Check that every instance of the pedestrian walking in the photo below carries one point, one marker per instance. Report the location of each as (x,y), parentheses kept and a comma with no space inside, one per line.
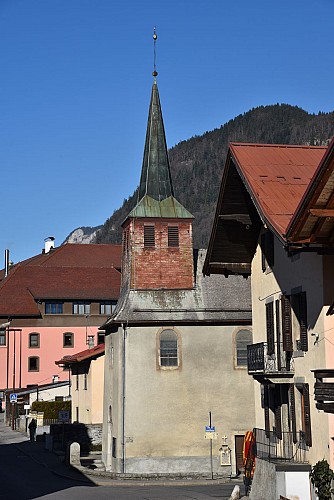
(32,429)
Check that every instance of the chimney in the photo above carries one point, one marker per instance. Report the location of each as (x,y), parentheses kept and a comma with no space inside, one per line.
(6,262)
(49,244)
(90,341)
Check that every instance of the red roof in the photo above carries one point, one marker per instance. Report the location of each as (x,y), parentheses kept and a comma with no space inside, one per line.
(72,271)
(313,220)
(82,356)
(277,177)
(75,254)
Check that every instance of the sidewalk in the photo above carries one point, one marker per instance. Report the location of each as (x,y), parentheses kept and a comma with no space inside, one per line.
(37,452)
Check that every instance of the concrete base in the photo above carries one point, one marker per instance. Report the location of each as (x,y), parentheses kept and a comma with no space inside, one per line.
(171,466)
(272,480)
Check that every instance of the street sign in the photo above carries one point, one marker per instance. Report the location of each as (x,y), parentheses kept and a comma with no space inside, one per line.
(209,428)
(211,435)
(63,416)
(13,397)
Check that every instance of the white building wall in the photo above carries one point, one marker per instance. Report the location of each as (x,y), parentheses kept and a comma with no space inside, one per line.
(287,274)
(167,409)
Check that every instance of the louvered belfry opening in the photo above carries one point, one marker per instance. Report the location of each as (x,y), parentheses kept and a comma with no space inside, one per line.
(149,236)
(173,236)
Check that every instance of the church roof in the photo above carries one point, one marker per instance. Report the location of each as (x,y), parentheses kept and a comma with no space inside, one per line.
(156,195)
(213,300)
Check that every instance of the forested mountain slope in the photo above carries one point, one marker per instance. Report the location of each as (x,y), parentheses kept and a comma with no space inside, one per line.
(197,164)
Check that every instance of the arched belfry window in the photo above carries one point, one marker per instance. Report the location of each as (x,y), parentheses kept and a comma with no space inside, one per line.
(242,340)
(168,348)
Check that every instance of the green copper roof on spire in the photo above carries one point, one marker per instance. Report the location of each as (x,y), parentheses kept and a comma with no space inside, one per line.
(156,195)
(155,179)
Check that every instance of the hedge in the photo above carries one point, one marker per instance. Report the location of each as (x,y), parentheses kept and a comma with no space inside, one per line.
(51,409)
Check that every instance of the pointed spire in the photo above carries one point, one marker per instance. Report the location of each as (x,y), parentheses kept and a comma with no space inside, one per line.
(156,180)
(156,194)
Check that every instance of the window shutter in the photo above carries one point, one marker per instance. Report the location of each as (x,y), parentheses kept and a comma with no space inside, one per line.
(307,415)
(173,236)
(278,419)
(286,324)
(266,410)
(278,334)
(303,321)
(149,236)
(293,413)
(270,328)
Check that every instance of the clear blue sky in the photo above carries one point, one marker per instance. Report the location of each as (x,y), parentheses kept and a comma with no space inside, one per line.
(75,82)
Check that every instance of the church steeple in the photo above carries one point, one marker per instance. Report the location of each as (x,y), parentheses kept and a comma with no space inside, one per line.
(156,194)
(157,234)
(156,180)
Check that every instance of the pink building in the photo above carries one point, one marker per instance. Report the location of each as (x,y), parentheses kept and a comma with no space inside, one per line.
(51,306)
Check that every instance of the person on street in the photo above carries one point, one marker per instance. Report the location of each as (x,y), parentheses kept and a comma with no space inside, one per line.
(32,429)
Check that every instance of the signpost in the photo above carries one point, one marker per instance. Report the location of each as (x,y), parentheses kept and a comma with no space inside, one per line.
(63,416)
(210,433)
(13,397)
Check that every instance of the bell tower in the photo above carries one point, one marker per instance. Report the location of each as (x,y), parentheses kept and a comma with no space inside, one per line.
(157,233)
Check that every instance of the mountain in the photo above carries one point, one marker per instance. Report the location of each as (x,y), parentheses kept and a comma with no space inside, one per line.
(197,163)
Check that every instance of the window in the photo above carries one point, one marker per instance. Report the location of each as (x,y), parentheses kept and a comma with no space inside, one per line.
(34,339)
(108,306)
(100,337)
(270,328)
(85,381)
(149,236)
(68,339)
(76,373)
(267,249)
(53,307)
(305,412)
(81,307)
(299,306)
(33,364)
(294,322)
(243,339)
(2,337)
(168,348)
(126,235)
(113,447)
(173,236)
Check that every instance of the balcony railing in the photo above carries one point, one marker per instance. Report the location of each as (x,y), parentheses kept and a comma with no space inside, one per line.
(270,447)
(259,361)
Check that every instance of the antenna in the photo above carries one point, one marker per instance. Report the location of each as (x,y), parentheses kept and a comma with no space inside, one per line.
(155,37)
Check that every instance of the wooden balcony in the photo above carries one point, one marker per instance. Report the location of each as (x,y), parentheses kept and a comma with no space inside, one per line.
(324,391)
(277,366)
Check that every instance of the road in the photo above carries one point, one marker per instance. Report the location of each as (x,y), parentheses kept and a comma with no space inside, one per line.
(25,475)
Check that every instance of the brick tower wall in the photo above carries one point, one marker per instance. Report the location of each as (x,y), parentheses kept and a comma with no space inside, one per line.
(158,266)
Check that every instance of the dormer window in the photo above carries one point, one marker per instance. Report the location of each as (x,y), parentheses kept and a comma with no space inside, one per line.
(149,236)
(53,307)
(173,236)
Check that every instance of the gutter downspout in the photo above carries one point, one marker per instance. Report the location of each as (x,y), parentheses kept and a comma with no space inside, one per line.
(123,399)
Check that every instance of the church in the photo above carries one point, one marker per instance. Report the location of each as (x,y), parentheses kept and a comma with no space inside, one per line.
(177,396)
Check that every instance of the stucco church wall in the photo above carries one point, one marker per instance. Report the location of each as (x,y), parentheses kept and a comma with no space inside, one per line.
(167,409)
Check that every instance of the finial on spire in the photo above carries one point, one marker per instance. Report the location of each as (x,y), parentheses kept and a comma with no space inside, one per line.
(155,37)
